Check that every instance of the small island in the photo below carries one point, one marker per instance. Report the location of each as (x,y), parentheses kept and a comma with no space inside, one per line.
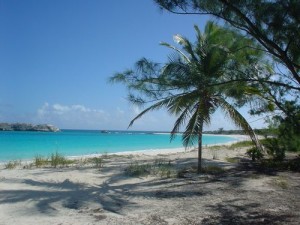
(27,127)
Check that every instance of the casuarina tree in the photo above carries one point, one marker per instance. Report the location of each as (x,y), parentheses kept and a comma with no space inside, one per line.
(197,79)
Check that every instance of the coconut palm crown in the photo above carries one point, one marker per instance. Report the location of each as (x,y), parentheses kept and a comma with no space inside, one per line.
(195,82)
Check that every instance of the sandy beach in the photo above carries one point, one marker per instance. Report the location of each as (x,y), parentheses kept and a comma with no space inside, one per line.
(230,192)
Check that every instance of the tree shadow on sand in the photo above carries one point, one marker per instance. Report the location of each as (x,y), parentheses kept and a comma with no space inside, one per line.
(112,195)
(119,191)
(232,212)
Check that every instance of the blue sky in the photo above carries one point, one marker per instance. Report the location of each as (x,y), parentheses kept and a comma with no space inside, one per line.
(56,57)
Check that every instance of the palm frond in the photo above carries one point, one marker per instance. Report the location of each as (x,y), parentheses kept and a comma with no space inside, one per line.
(239,120)
(157,105)
(165,102)
(182,106)
(193,127)
(186,58)
(186,45)
(180,121)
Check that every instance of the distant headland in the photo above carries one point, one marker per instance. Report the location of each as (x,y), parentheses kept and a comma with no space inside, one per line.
(27,127)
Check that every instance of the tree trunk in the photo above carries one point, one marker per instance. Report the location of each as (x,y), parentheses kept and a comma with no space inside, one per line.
(200,149)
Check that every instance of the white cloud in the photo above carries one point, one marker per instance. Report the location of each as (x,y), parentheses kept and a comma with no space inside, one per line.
(82,117)
(78,116)
(72,116)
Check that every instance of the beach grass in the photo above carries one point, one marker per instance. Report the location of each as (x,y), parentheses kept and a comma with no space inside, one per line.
(216,147)
(281,182)
(211,169)
(58,159)
(136,169)
(40,161)
(232,159)
(97,162)
(12,164)
(161,168)
(215,154)
(241,144)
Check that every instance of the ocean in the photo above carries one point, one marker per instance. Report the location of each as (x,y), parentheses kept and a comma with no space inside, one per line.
(19,145)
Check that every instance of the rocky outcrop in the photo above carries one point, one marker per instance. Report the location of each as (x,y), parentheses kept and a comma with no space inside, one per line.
(27,127)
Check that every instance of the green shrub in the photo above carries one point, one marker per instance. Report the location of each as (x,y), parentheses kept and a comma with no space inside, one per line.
(290,165)
(286,131)
(255,153)
(274,148)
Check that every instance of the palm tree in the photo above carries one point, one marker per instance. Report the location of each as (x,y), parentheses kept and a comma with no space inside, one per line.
(194,83)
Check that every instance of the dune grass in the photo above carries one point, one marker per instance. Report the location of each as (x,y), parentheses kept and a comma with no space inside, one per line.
(97,162)
(232,159)
(164,169)
(12,164)
(40,161)
(59,160)
(55,160)
(281,182)
(241,144)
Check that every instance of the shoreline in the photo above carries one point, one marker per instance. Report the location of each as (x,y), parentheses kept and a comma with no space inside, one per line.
(150,152)
(158,151)
(148,189)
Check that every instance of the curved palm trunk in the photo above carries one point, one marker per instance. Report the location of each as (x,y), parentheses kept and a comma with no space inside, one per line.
(200,147)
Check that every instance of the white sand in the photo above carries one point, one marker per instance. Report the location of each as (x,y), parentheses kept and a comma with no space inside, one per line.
(84,195)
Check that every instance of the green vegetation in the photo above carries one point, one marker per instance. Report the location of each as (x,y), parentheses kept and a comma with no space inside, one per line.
(158,168)
(58,159)
(286,133)
(98,162)
(209,169)
(137,170)
(12,164)
(241,144)
(40,161)
(281,182)
(216,147)
(255,154)
(237,132)
(197,80)
(290,164)
(275,27)
(232,160)
(274,24)
(213,170)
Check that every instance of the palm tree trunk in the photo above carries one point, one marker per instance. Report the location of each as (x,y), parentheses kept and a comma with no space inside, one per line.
(200,148)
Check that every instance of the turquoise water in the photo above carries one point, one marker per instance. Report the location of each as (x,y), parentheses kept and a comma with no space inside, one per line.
(26,145)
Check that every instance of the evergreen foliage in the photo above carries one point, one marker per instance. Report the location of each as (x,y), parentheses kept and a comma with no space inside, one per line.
(198,79)
(275,26)
(286,132)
